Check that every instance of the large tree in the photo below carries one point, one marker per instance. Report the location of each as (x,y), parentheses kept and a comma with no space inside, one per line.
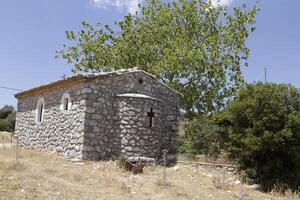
(263,127)
(189,44)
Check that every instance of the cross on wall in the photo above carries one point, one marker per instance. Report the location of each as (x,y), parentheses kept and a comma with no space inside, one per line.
(151,116)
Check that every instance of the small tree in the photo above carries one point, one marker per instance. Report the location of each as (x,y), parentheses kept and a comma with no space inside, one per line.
(7,118)
(4,125)
(6,111)
(201,136)
(263,126)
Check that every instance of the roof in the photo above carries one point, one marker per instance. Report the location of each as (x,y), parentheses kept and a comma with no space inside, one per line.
(83,78)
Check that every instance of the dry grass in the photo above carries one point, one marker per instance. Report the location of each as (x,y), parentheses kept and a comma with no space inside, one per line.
(5,137)
(40,175)
(282,191)
(287,195)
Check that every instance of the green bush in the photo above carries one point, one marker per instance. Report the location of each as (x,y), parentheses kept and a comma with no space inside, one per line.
(200,137)
(4,125)
(7,118)
(263,127)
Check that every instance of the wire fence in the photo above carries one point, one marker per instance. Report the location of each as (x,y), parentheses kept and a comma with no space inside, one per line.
(7,140)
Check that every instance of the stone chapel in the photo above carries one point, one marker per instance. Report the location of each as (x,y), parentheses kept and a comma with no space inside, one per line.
(100,116)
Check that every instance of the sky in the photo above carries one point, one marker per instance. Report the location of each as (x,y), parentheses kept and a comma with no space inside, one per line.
(32,30)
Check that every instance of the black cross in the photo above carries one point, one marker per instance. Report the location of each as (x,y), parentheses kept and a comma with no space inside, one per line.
(151,115)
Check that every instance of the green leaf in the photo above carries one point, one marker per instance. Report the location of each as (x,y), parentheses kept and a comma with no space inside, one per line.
(190,45)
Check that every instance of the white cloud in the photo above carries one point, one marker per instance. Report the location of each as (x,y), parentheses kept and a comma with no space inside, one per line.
(216,3)
(132,5)
(129,5)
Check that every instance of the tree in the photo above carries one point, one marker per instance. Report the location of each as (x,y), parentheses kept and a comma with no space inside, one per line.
(263,126)
(201,136)
(5,111)
(189,44)
(4,125)
(7,118)
(11,121)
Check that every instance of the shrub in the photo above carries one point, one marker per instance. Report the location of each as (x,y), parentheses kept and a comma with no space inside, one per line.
(263,127)
(5,111)
(4,126)
(200,136)
(7,118)
(121,160)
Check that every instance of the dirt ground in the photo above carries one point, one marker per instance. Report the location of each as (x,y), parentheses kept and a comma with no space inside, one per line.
(44,175)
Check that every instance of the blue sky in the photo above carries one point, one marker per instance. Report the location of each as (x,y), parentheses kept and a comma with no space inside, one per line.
(32,30)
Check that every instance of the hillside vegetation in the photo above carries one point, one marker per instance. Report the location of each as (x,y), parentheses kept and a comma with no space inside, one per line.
(259,130)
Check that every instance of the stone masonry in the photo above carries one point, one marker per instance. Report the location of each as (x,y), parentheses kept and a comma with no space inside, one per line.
(100,116)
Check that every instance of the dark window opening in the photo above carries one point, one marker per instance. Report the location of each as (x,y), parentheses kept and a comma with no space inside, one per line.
(151,115)
(141,81)
(66,102)
(40,112)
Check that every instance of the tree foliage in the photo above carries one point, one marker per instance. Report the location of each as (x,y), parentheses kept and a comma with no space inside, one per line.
(7,118)
(263,126)
(201,136)
(189,44)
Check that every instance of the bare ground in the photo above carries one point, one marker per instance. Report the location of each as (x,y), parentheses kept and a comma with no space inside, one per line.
(42,175)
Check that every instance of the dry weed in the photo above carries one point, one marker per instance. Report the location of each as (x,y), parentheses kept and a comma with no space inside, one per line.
(220,182)
(242,195)
(125,187)
(8,185)
(5,137)
(50,171)
(42,176)
(287,194)
(78,178)
(163,183)
(15,166)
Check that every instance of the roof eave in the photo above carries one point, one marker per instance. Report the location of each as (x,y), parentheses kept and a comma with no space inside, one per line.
(46,87)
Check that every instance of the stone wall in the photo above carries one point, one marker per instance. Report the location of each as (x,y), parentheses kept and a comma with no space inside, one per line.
(60,130)
(102,130)
(102,124)
(137,138)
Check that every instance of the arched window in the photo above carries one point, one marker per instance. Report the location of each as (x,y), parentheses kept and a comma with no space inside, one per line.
(66,103)
(40,110)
